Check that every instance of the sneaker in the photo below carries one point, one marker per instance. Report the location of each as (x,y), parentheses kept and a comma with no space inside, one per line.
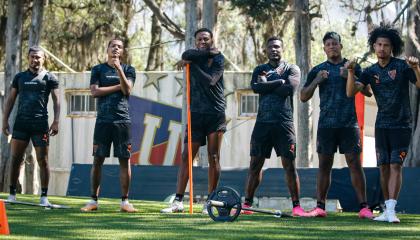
(317,212)
(176,206)
(392,217)
(11,198)
(365,213)
(246,212)
(92,205)
(127,207)
(299,212)
(382,218)
(43,201)
(204,211)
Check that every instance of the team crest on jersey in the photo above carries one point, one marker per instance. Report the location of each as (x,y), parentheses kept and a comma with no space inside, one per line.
(392,74)
(403,154)
(376,77)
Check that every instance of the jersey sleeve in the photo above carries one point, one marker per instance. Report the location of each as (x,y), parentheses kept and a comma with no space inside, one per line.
(364,77)
(311,76)
(94,76)
(130,74)
(52,81)
(408,73)
(15,82)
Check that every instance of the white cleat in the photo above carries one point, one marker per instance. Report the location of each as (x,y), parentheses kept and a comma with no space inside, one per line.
(392,217)
(43,201)
(382,218)
(176,206)
(11,198)
(204,211)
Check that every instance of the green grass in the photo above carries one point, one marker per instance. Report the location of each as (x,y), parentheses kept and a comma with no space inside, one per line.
(27,222)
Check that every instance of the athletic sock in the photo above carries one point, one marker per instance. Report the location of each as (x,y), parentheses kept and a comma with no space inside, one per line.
(179,197)
(296,203)
(44,192)
(320,205)
(363,205)
(249,201)
(390,204)
(12,190)
(94,198)
(124,198)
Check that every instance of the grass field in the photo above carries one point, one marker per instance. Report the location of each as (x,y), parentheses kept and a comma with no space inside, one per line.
(108,223)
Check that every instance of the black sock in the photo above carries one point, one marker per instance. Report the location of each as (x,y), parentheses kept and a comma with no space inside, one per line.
(249,201)
(363,205)
(179,197)
(296,203)
(123,198)
(320,205)
(44,192)
(12,190)
(94,197)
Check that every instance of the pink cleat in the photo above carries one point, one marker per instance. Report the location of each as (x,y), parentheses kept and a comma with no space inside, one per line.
(246,212)
(299,212)
(365,213)
(317,212)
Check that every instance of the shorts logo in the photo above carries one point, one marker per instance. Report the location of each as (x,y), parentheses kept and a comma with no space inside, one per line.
(45,137)
(403,154)
(376,77)
(292,148)
(392,74)
(129,147)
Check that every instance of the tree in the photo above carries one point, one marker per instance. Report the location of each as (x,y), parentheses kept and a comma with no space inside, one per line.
(155,58)
(12,66)
(413,49)
(303,57)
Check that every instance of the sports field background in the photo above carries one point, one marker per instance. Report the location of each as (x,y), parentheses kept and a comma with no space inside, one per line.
(27,222)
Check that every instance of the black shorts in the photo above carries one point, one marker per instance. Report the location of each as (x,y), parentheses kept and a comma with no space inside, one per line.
(281,136)
(115,133)
(203,124)
(391,145)
(36,131)
(346,139)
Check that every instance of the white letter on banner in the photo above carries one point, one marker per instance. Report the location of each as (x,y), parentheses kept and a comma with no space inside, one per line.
(151,124)
(175,129)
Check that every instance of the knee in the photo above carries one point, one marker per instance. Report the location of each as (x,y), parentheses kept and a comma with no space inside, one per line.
(43,163)
(289,167)
(97,162)
(213,158)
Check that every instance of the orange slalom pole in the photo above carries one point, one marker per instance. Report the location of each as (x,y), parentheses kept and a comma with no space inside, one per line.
(360,112)
(190,162)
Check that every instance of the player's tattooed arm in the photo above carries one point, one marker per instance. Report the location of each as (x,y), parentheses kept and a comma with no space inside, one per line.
(125,84)
(103,91)
(215,72)
(413,62)
(291,84)
(307,92)
(55,95)
(352,87)
(8,106)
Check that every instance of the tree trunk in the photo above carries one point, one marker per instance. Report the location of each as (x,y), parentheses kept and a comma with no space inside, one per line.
(12,66)
(303,57)
(412,49)
(155,51)
(210,11)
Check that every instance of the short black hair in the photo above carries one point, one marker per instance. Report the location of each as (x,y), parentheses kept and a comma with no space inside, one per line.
(274,38)
(35,49)
(331,35)
(386,30)
(115,39)
(203,30)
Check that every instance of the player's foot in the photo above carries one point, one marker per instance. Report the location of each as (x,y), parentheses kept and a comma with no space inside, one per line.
(392,217)
(246,212)
(204,211)
(317,212)
(127,207)
(382,218)
(11,198)
(43,201)
(299,212)
(365,213)
(176,206)
(92,205)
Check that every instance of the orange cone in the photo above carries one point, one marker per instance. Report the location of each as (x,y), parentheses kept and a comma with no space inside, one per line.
(4,225)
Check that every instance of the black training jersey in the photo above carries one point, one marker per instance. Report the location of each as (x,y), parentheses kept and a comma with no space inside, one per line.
(33,95)
(112,108)
(276,97)
(207,87)
(390,87)
(336,109)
